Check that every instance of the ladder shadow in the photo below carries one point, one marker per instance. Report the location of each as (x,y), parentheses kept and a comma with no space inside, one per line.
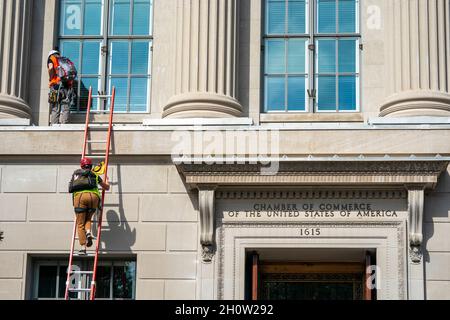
(117,235)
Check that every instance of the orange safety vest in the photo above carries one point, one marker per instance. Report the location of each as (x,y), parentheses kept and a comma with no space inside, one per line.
(55,79)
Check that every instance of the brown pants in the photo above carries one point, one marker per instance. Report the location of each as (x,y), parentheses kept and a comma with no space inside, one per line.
(86,200)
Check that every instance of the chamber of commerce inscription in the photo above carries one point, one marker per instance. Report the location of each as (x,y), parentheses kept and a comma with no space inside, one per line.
(310,210)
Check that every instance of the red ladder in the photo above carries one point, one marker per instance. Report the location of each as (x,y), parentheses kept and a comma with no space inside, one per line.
(89,293)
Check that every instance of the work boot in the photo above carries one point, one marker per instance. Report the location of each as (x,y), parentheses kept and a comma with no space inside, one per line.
(82,251)
(89,239)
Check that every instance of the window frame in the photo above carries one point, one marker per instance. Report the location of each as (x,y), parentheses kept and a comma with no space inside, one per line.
(84,265)
(106,38)
(312,36)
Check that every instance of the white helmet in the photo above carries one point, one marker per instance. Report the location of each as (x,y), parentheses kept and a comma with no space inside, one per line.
(52,52)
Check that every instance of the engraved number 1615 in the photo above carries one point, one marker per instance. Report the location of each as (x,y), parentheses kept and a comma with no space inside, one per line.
(310,231)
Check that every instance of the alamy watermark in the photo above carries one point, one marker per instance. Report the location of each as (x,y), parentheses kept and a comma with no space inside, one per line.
(240,146)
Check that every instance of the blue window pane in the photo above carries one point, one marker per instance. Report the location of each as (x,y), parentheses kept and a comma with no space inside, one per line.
(119,57)
(121,84)
(93,17)
(296,93)
(275,94)
(296,16)
(141,17)
(347,55)
(91,57)
(276,16)
(347,16)
(327,94)
(275,58)
(327,56)
(326,11)
(120,16)
(347,93)
(296,56)
(71,17)
(138,94)
(71,50)
(85,83)
(139,57)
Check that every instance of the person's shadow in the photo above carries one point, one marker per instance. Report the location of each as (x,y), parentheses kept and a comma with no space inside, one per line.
(117,234)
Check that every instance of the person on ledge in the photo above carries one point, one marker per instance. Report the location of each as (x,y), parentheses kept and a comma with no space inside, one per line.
(62,73)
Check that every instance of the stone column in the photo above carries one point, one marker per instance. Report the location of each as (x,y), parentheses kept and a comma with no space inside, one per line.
(15,22)
(418,40)
(206,60)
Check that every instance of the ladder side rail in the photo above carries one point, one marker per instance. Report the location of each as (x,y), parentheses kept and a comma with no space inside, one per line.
(69,267)
(100,217)
(72,245)
(86,129)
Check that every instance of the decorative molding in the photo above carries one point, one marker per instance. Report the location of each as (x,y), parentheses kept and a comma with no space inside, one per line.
(201,105)
(415,209)
(206,208)
(313,194)
(381,173)
(410,104)
(399,225)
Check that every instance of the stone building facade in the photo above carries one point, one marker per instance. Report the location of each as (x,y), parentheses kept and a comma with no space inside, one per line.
(230,152)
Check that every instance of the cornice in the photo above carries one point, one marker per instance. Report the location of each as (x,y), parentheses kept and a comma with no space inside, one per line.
(358,173)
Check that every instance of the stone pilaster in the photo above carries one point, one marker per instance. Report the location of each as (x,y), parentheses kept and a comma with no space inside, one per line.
(206,60)
(418,41)
(15,22)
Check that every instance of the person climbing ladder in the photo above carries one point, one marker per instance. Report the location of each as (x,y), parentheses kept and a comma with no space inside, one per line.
(86,200)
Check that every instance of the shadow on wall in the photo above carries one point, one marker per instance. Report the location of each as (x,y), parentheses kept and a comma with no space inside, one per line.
(37,60)
(117,235)
(244,58)
(436,206)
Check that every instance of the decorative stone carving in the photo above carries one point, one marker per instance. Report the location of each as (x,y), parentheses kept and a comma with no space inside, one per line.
(15,23)
(206,60)
(415,254)
(415,209)
(206,207)
(383,173)
(417,40)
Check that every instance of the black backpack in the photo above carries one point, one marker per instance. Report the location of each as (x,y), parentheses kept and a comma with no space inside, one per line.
(82,180)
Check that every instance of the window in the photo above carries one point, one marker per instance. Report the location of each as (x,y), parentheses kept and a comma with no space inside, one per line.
(116,279)
(110,42)
(311,56)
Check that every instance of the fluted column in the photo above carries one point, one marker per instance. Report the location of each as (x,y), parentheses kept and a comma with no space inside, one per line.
(206,60)
(15,22)
(419,51)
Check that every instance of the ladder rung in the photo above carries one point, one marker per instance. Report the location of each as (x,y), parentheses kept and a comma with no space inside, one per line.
(82,272)
(95,157)
(79,289)
(101,96)
(96,141)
